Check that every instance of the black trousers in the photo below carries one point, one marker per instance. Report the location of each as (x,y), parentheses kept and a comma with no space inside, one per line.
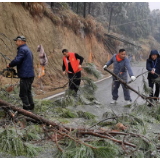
(74,81)
(25,93)
(151,85)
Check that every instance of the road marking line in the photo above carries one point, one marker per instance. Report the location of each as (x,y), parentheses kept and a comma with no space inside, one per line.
(58,94)
(103,79)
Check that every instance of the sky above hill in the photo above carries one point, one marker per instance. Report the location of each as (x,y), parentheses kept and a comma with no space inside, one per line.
(154,5)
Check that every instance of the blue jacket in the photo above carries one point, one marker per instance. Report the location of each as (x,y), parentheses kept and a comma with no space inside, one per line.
(150,65)
(24,62)
(120,68)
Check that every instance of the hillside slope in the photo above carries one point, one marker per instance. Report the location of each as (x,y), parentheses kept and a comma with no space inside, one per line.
(16,20)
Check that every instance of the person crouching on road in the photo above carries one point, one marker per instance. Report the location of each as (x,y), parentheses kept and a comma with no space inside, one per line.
(24,63)
(120,66)
(153,66)
(72,64)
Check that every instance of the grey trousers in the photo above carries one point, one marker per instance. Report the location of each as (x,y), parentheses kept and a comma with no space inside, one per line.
(115,87)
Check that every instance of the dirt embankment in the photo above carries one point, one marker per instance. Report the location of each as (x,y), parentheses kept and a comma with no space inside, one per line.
(16,20)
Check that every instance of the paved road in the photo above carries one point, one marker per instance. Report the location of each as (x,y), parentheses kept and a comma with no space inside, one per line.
(103,95)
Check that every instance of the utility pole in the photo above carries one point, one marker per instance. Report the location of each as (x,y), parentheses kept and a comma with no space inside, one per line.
(77,7)
(72,5)
(110,19)
(84,11)
(90,7)
(52,4)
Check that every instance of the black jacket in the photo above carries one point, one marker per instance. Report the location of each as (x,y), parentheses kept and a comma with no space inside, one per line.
(150,65)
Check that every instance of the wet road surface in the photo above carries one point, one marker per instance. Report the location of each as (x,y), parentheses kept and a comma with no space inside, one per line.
(104,96)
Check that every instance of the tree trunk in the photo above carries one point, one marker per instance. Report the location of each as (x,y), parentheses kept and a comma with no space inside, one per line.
(84,11)
(38,118)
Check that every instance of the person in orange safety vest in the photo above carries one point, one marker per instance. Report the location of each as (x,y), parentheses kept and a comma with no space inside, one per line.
(72,63)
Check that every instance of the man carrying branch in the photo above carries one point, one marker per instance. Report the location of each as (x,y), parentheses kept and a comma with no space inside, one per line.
(120,66)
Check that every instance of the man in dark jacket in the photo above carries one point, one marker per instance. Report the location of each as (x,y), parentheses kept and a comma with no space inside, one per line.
(24,63)
(72,64)
(153,65)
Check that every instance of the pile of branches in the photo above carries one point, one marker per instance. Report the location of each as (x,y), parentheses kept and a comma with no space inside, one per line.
(64,136)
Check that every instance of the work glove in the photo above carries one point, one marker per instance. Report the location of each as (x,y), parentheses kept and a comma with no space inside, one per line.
(105,66)
(133,78)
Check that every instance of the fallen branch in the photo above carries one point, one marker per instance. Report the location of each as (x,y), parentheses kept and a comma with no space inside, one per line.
(124,148)
(64,131)
(102,121)
(113,139)
(57,142)
(26,113)
(137,77)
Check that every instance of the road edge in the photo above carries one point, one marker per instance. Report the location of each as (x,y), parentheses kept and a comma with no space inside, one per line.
(61,93)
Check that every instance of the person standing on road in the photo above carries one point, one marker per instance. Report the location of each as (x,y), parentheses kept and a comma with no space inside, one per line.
(130,58)
(120,66)
(24,63)
(153,66)
(72,64)
(140,57)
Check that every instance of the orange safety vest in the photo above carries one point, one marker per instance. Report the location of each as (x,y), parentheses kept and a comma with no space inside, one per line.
(74,62)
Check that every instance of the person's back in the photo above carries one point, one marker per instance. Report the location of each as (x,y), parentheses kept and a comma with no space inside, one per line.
(25,67)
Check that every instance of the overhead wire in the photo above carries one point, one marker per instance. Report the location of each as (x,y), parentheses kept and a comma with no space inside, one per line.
(131,22)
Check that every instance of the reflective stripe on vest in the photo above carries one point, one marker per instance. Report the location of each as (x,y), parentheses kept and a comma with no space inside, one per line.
(74,63)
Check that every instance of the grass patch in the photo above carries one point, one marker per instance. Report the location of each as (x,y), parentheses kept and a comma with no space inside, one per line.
(85,115)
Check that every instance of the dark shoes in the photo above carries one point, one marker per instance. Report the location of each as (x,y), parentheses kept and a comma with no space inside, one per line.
(32,106)
(28,107)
